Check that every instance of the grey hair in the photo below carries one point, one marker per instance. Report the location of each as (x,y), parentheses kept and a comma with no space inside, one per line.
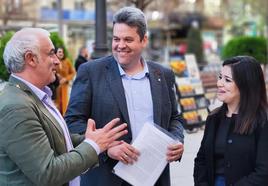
(133,17)
(81,49)
(26,39)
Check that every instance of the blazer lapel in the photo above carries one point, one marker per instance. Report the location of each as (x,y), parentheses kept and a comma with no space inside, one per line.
(117,89)
(156,87)
(50,117)
(19,84)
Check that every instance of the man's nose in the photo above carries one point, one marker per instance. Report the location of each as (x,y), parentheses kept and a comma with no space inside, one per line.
(122,44)
(56,60)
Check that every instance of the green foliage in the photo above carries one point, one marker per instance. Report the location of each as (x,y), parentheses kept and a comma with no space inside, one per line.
(4,75)
(195,44)
(58,42)
(245,45)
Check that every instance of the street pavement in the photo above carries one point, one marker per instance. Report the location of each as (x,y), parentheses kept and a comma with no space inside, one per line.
(182,172)
(2,85)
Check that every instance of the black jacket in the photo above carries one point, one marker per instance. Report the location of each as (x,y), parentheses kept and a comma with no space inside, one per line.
(80,60)
(246,156)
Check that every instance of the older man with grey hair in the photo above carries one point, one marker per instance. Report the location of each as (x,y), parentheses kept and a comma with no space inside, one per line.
(127,86)
(35,145)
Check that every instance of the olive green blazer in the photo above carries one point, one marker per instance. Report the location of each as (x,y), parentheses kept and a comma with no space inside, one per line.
(32,144)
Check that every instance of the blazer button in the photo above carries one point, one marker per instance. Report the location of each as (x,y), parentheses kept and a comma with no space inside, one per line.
(230,141)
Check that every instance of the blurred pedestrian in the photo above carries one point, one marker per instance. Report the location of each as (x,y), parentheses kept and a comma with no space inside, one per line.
(66,73)
(127,86)
(234,148)
(83,57)
(35,145)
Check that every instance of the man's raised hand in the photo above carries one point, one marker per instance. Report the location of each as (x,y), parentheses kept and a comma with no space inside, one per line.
(103,137)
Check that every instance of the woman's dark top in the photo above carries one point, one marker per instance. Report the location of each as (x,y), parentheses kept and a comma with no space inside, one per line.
(220,144)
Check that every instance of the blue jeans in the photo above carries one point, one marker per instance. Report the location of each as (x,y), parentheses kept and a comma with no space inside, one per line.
(219,180)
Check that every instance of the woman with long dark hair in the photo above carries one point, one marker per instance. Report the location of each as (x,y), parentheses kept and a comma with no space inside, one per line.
(234,148)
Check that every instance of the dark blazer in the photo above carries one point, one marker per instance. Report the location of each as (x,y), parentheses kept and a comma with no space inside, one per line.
(98,93)
(246,156)
(32,144)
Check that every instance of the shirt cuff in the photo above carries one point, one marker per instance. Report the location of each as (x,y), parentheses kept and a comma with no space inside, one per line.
(94,145)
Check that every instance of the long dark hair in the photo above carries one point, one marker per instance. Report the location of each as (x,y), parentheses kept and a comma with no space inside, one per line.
(63,49)
(248,76)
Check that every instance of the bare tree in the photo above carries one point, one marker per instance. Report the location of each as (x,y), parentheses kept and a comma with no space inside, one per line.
(260,7)
(16,10)
(141,4)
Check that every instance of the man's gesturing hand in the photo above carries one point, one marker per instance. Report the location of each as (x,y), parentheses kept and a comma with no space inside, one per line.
(103,137)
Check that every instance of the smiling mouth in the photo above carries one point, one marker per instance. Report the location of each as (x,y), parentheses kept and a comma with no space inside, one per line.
(220,93)
(123,54)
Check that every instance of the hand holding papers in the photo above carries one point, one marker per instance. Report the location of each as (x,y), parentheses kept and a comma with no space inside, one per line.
(123,152)
(152,143)
(174,152)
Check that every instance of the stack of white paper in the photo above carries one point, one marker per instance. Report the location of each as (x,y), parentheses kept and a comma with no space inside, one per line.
(152,144)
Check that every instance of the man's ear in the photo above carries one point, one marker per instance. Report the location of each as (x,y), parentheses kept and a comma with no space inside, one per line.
(145,40)
(30,59)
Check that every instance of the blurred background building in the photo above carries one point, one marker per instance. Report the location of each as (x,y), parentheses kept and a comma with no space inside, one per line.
(73,19)
(169,21)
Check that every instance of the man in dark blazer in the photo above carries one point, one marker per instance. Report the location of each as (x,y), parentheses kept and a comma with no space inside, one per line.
(35,145)
(83,57)
(126,86)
